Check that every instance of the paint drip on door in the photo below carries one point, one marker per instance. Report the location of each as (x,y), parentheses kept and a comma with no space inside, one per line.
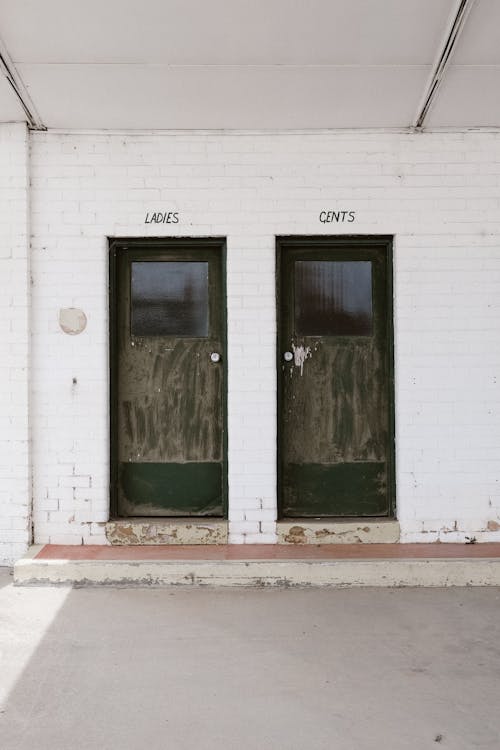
(300,354)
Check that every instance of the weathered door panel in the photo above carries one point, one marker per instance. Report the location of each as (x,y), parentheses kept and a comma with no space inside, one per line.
(336,390)
(169,409)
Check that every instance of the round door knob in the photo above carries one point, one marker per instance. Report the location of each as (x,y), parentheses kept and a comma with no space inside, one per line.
(288,356)
(215,357)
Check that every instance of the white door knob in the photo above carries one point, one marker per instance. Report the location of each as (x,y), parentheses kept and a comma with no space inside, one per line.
(215,357)
(288,356)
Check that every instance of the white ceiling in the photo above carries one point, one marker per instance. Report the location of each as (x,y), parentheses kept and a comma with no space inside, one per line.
(470,92)
(248,63)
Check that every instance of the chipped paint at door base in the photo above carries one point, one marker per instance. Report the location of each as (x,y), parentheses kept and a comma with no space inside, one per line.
(160,531)
(325,531)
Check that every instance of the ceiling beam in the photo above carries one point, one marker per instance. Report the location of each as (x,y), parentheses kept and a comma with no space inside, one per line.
(443,57)
(15,81)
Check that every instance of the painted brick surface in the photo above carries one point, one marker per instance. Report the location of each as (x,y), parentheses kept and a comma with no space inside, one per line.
(15,490)
(439,194)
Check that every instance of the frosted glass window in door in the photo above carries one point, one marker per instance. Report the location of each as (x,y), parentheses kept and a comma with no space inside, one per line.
(169,298)
(333,298)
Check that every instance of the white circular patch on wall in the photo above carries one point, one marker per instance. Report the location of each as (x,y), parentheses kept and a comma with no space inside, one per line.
(72,320)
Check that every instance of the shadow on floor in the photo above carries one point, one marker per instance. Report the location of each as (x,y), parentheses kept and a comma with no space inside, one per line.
(6,574)
(283,669)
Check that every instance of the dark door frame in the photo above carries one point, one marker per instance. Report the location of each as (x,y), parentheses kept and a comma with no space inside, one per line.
(116,244)
(352,242)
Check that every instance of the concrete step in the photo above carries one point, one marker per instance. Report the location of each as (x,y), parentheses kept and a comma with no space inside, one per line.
(262,565)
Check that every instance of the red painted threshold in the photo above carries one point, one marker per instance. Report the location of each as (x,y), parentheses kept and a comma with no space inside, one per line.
(269,552)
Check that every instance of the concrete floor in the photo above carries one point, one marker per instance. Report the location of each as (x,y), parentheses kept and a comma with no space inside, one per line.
(287,669)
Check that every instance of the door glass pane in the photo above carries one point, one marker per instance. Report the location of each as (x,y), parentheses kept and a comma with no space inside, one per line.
(333,298)
(169,298)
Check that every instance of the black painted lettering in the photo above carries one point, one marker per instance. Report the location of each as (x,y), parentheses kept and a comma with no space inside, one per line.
(327,217)
(162,217)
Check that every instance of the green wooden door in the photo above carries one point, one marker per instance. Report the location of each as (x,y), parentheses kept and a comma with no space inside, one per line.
(335,377)
(169,391)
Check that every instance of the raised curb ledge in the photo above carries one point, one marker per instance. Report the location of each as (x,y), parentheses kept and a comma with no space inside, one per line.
(260,573)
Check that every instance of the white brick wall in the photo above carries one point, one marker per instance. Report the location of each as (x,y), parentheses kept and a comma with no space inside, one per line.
(15,481)
(439,194)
